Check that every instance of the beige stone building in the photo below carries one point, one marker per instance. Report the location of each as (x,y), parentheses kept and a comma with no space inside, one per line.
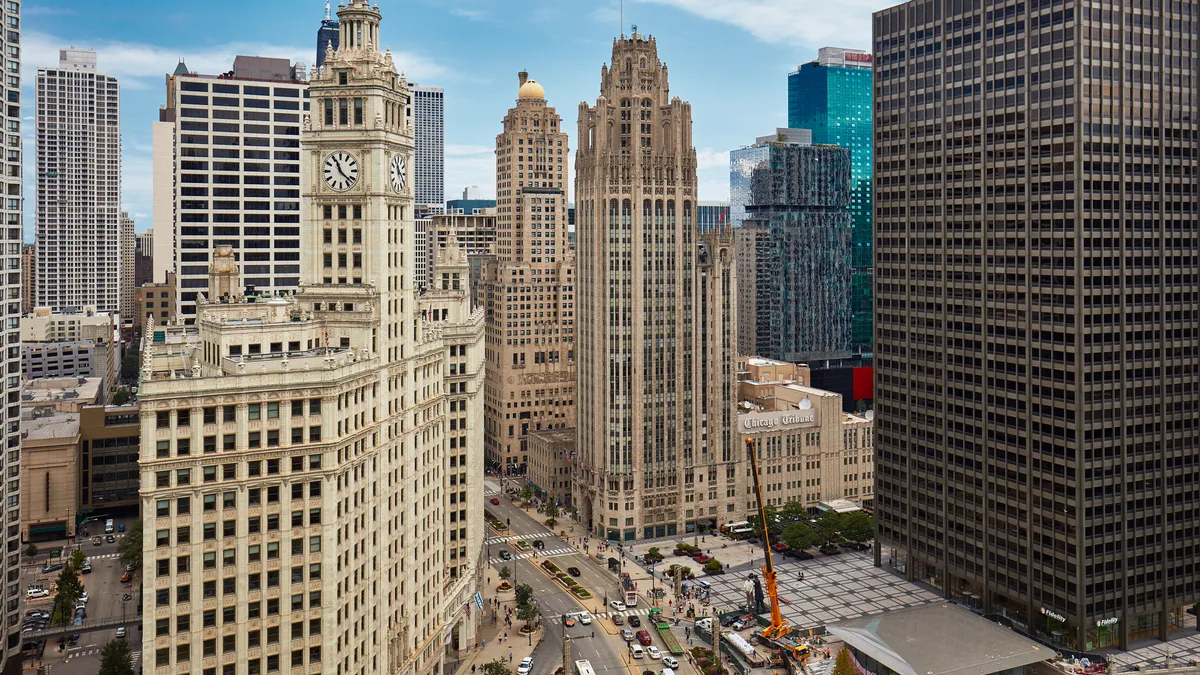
(28,277)
(529,287)
(767,383)
(656,369)
(551,464)
(158,302)
(50,472)
(302,484)
(474,233)
(814,454)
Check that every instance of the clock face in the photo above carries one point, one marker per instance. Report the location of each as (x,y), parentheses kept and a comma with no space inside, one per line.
(399,173)
(341,170)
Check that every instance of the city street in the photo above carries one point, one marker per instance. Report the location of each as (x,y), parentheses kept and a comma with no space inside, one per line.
(105,592)
(606,651)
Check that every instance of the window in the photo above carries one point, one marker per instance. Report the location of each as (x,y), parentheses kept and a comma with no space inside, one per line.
(162,449)
(210,557)
(273,410)
(183,506)
(229,442)
(163,508)
(210,474)
(183,476)
(255,411)
(162,479)
(314,544)
(210,502)
(229,500)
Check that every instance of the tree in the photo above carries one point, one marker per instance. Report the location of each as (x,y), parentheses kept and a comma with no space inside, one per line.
(712,566)
(523,593)
(69,591)
(527,613)
(130,363)
(116,658)
(121,397)
(505,573)
(130,548)
(793,512)
(551,510)
(772,520)
(829,524)
(843,665)
(858,526)
(800,536)
(32,550)
(77,560)
(525,494)
(497,667)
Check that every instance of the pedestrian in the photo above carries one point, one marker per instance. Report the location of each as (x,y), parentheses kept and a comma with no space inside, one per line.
(510,657)
(472,667)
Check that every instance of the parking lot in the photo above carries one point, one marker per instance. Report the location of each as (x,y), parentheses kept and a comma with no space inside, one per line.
(106,598)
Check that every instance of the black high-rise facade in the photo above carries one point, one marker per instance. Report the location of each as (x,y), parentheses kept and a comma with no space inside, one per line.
(1037,324)
(327,35)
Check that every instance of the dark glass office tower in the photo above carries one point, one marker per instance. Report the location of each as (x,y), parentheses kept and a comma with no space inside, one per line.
(1037,325)
(831,96)
(327,34)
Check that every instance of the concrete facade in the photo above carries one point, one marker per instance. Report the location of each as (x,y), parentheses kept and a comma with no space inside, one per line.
(28,277)
(529,285)
(333,405)
(227,171)
(552,464)
(109,445)
(474,234)
(49,493)
(81,256)
(1036,347)
(157,302)
(647,454)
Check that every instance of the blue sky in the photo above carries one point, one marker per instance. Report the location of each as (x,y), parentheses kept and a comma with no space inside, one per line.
(729,58)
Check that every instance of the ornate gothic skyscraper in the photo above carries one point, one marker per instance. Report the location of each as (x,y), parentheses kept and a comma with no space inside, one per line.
(642,438)
(529,284)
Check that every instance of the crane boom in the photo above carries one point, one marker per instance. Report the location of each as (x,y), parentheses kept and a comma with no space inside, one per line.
(778,627)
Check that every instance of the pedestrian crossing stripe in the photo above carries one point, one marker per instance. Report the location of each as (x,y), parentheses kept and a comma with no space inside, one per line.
(638,611)
(552,553)
(103,556)
(511,537)
(134,658)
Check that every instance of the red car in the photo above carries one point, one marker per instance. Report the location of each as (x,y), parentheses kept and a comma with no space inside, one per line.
(643,637)
(495,502)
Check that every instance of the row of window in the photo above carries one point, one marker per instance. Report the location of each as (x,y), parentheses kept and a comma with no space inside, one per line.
(228,413)
(254,440)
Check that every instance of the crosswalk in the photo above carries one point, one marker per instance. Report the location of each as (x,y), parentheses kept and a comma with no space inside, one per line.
(638,611)
(511,537)
(551,553)
(134,659)
(103,556)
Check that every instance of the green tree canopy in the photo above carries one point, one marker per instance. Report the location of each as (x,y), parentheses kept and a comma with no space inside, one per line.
(69,591)
(497,667)
(523,593)
(800,536)
(551,509)
(505,573)
(527,613)
(130,547)
(772,519)
(713,565)
(77,560)
(525,494)
(858,526)
(829,523)
(116,658)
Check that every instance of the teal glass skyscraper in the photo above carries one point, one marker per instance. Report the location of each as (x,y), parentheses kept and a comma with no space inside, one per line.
(831,96)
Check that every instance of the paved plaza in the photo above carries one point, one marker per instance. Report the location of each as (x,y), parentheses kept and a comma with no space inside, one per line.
(835,589)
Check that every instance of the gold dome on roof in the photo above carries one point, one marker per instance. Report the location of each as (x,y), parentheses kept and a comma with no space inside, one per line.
(531,90)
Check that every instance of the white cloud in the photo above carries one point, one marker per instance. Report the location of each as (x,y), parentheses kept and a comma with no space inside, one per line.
(809,23)
(470,165)
(472,14)
(707,158)
(138,65)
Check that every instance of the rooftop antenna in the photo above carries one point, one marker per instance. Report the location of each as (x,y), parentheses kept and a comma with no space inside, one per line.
(327,17)
(622,19)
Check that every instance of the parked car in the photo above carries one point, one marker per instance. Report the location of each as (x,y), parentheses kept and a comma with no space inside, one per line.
(617,605)
(653,652)
(504,554)
(495,502)
(84,597)
(121,527)
(126,577)
(643,636)
(51,567)
(87,567)
(634,620)
(573,571)
(36,593)
(618,619)
(636,652)
(626,635)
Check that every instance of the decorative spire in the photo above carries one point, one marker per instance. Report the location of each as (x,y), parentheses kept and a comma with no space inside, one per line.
(328,16)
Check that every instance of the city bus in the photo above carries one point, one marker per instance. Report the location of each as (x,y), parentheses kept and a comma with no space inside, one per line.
(583,667)
(728,528)
(629,591)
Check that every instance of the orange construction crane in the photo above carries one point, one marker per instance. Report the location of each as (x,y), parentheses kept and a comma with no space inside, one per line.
(779,627)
